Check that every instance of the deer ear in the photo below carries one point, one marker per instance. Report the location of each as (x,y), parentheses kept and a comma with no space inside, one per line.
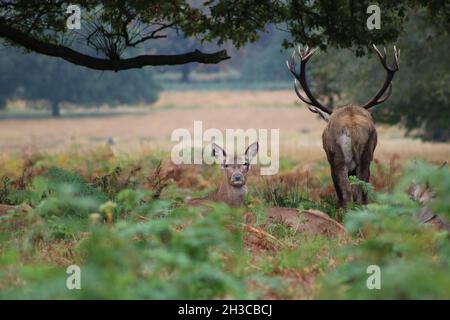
(325,116)
(218,153)
(251,151)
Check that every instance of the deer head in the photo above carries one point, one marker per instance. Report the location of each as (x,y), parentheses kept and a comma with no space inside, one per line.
(422,192)
(324,111)
(235,167)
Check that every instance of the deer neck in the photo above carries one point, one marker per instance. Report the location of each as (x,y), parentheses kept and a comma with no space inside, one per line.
(233,196)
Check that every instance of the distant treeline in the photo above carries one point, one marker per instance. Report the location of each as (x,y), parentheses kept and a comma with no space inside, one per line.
(34,77)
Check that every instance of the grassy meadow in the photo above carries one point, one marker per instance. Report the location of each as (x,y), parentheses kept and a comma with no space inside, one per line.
(100,192)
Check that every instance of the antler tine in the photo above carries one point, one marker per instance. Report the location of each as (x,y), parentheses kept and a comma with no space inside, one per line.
(308,55)
(377,51)
(382,56)
(306,50)
(314,110)
(291,63)
(322,114)
(382,94)
(299,51)
(305,54)
(300,78)
(396,55)
(297,91)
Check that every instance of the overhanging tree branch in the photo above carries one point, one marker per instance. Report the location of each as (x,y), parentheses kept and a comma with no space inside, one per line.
(75,57)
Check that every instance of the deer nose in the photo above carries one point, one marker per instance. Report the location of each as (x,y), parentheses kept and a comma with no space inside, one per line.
(237,177)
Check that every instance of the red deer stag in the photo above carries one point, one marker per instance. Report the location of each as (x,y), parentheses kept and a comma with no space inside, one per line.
(350,137)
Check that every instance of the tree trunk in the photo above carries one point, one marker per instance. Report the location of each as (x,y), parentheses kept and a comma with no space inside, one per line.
(2,103)
(55,109)
(185,73)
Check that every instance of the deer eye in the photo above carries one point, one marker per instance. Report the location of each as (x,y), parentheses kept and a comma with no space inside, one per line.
(247,164)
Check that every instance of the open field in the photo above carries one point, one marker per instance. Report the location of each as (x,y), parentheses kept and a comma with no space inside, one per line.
(102,194)
(300,130)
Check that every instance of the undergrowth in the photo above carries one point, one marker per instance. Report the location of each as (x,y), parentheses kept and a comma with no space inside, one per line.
(125,223)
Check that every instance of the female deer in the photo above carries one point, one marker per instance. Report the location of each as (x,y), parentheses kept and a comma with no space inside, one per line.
(233,189)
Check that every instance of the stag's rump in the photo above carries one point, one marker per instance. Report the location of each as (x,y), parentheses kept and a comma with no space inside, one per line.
(348,135)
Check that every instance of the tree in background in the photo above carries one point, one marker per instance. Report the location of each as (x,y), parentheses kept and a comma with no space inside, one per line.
(110,29)
(265,60)
(35,77)
(177,43)
(420,100)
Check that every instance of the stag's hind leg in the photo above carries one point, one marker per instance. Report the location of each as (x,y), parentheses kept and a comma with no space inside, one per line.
(363,174)
(339,174)
(363,170)
(356,188)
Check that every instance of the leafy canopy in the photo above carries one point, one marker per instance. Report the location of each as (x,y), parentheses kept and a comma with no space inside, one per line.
(110,29)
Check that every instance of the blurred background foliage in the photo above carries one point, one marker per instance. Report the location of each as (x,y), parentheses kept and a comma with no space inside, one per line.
(419,101)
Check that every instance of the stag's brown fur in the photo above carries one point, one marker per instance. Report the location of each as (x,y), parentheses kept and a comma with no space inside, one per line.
(349,141)
(350,137)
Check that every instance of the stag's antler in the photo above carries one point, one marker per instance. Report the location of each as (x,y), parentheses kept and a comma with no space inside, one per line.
(300,79)
(387,85)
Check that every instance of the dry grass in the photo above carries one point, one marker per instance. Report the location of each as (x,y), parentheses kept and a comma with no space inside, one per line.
(300,130)
(226,99)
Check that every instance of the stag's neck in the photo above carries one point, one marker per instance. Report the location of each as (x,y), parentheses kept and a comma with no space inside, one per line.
(233,196)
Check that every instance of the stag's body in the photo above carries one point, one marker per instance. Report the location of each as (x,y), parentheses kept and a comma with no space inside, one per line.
(350,137)
(349,140)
